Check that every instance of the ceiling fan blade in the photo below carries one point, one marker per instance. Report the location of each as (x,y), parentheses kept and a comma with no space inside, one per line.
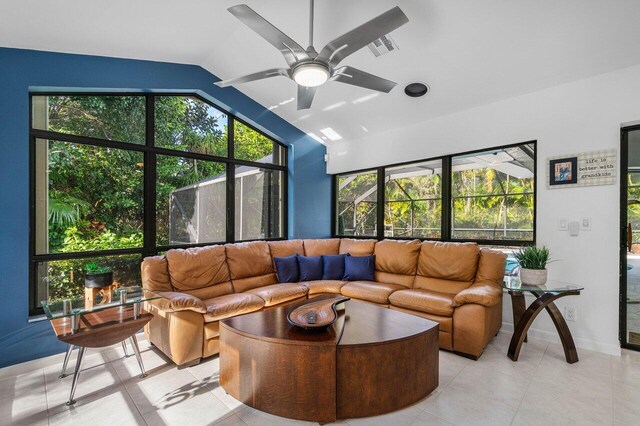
(360,78)
(354,40)
(291,50)
(273,72)
(305,97)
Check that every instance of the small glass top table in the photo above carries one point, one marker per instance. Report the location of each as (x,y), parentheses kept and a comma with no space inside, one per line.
(523,318)
(89,323)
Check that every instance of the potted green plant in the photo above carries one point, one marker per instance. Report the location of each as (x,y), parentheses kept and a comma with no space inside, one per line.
(533,264)
(97,276)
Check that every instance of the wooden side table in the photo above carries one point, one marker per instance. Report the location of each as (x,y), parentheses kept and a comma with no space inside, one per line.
(523,318)
(95,326)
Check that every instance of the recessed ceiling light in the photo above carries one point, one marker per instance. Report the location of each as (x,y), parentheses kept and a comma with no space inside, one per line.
(415,90)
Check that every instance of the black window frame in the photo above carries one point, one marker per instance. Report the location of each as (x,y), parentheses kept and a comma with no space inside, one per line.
(150,153)
(445,232)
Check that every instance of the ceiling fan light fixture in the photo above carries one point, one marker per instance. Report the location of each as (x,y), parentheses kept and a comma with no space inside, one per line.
(311,75)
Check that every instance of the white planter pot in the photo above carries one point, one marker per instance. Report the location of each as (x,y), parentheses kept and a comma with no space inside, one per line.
(533,276)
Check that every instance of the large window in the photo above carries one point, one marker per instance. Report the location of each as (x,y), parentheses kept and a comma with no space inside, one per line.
(492,195)
(258,201)
(357,204)
(485,196)
(413,200)
(119,177)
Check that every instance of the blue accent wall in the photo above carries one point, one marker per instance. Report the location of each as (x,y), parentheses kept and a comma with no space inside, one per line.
(25,70)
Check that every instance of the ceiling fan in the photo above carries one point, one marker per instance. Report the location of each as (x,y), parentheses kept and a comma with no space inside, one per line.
(310,69)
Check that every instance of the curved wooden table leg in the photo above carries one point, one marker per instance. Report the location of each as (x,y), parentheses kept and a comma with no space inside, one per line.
(544,301)
(519,306)
(570,352)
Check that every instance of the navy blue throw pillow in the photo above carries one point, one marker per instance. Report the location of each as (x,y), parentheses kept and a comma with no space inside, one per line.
(287,269)
(310,268)
(333,267)
(360,268)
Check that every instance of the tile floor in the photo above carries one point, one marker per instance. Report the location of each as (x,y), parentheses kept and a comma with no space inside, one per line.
(540,389)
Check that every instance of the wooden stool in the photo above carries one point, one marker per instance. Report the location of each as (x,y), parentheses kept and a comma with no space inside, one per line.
(91,294)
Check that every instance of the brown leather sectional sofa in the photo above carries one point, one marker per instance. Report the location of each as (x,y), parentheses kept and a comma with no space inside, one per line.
(456,284)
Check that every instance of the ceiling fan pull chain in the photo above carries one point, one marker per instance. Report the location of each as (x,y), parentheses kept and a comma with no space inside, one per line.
(311,23)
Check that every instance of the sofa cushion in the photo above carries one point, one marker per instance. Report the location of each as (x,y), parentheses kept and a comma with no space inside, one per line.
(427,301)
(244,284)
(405,281)
(211,292)
(286,248)
(397,261)
(440,285)
(446,323)
(449,261)
(333,267)
(360,268)
(310,268)
(175,301)
(397,257)
(155,274)
(249,259)
(357,247)
(480,293)
(198,267)
(324,286)
(370,291)
(287,269)
(230,305)
(279,293)
(491,266)
(321,247)
(250,265)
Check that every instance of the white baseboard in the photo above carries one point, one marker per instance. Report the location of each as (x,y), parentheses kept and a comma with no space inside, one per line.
(552,336)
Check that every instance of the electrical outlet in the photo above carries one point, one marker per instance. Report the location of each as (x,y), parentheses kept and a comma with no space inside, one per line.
(570,313)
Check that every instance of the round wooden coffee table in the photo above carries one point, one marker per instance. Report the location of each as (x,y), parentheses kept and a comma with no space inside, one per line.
(371,361)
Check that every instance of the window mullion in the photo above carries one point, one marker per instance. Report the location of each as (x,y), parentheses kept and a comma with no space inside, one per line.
(446,198)
(150,178)
(380,202)
(231,183)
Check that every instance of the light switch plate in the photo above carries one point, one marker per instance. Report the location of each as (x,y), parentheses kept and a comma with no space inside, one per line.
(563,224)
(585,224)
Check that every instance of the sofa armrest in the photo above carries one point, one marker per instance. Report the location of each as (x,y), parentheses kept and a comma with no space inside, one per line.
(481,293)
(173,301)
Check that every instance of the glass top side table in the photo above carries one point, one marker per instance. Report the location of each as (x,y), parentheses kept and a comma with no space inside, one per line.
(84,323)
(123,296)
(523,317)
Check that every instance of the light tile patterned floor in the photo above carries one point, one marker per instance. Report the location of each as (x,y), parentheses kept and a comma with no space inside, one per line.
(540,389)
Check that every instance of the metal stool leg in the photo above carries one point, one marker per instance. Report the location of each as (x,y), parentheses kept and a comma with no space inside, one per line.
(134,343)
(63,374)
(76,376)
(124,348)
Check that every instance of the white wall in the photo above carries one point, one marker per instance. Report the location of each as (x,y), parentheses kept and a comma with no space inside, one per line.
(584,115)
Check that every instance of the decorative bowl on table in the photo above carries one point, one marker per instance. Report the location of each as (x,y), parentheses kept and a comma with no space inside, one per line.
(316,314)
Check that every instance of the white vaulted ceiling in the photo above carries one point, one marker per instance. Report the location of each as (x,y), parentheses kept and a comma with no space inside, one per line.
(470,52)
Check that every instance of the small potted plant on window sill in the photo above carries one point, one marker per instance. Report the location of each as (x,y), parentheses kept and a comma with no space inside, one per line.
(97,276)
(533,264)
